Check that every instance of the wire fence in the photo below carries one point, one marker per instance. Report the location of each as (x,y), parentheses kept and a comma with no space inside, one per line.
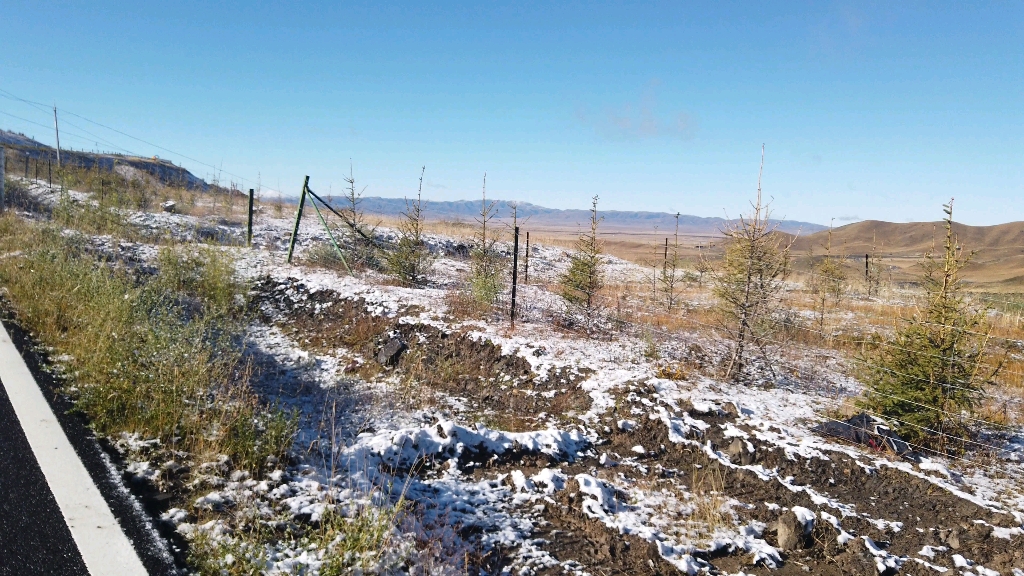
(90,136)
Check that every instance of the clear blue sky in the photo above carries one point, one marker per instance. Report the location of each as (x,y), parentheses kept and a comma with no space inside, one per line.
(866,110)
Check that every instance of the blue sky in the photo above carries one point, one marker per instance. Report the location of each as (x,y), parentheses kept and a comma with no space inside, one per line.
(866,110)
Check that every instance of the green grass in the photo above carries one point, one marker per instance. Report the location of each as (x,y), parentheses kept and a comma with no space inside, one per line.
(154,355)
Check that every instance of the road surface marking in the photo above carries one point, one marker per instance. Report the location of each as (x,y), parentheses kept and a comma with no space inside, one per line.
(104,547)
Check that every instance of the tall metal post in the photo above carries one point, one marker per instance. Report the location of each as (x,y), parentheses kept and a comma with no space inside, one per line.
(298,218)
(248,235)
(526,260)
(515,276)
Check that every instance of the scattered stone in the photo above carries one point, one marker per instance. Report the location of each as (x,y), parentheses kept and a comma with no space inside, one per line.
(169,206)
(740,453)
(857,559)
(391,352)
(794,529)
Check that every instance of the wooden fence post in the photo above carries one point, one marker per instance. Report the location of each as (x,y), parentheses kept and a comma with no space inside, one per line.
(515,276)
(298,217)
(26,165)
(248,234)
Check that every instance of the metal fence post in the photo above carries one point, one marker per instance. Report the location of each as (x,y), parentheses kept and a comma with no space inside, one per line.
(515,276)
(526,260)
(248,235)
(298,218)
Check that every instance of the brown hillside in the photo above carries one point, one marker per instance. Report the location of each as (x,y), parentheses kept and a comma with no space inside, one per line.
(999,250)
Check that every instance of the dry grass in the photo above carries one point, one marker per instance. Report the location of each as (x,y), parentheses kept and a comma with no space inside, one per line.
(152,355)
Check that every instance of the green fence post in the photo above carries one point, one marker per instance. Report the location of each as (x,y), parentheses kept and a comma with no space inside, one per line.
(298,217)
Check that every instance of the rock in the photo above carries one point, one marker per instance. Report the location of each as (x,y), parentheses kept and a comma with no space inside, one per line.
(794,529)
(950,538)
(391,352)
(980,532)
(856,559)
(740,453)
(168,206)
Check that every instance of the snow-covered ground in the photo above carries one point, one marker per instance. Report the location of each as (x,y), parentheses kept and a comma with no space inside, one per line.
(618,471)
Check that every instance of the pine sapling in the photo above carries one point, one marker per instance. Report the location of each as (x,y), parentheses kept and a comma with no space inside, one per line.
(487,266)
(874,269)
(828,285)
(672,274)
(929,377)
(410,259)
(361,237)
(749,281)
(583,280)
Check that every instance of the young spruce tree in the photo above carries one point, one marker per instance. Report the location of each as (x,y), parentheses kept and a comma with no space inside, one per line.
(672,274)
(828,286)
(487,266)
(361,237)
(410,259)
(584,278)
(748,282)
(934,370)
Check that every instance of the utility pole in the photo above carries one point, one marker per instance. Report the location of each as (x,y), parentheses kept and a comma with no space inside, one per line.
(56,131)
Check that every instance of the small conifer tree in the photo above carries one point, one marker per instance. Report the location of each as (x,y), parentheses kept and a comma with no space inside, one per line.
(361,236)
(487,266)
(672,274)
(410,259)
(748,282)
(874,269)
(934,370)
(827,285)
(584,278)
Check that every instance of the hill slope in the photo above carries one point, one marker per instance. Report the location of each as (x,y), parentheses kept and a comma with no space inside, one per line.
(20,147)
(999,249)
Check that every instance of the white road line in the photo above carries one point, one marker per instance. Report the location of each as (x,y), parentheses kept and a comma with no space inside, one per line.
(104,547)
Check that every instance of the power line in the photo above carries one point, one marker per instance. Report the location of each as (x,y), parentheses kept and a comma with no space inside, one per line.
(73,134)
(125,134)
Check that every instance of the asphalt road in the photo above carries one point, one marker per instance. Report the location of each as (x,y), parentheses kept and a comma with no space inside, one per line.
(33,536)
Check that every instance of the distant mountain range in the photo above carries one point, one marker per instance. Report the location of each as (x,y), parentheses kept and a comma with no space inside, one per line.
(467,210)
(21,146)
